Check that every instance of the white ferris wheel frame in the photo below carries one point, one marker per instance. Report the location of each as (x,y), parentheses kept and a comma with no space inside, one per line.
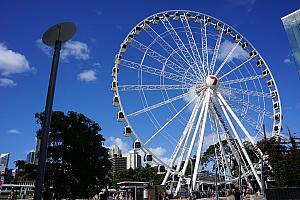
(203,102)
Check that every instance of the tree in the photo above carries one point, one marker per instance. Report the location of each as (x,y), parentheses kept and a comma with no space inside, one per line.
(77,165)
(147,174)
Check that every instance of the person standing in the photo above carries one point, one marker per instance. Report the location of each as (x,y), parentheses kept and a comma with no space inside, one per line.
(237,194)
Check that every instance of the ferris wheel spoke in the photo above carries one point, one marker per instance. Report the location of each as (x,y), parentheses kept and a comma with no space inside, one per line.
(153,87)
(239,66)
(224,106)
(228,56)
(252,123)
(167,47)
(149,108)
(204,47)
(180,45)
(240,80)
(154,71)
(216,50)
(192,43)
(253,107)
(247,92)
(157,56)
(157,132)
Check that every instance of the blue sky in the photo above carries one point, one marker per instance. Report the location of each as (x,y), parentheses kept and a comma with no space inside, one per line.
(84,77)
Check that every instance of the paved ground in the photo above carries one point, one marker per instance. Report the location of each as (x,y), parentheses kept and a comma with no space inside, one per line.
(232,198)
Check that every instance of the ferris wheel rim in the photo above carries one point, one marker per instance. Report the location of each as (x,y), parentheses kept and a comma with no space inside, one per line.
(127,122)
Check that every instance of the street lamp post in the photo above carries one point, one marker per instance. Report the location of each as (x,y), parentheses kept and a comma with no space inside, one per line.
(55,35)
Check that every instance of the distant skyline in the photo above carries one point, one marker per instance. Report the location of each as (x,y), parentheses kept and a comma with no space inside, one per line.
(84,75)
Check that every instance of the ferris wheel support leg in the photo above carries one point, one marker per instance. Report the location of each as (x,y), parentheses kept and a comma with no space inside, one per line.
(220,143)
(239,123)
(235,153)
(200,144)
(179,163)
(192,144)
(185,135)
(240,143)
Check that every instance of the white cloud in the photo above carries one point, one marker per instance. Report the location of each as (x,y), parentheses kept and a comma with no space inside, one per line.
(287,61)
(249,4)
(45,49)
(124,147)
(12,62)
(5,82)
(97,64)
(225,48)
(160,153)
(71,49)
(75,49)
(14,131)
(87,76)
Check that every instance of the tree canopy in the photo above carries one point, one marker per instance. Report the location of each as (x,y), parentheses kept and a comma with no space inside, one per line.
(147,174)
(78,164)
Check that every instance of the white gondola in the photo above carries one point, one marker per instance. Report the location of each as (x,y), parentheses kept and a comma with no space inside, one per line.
(155,19)
(245,45)
(114,86)
(161,169)
(118,59)
(270,83)
(252,54)
(187,15)
(227,31)
(137,30)
(148,158)
(120,116)
(218,25)
(146,24)
(277,117)
(277,129)
(276,105)
(115,71)
(176,16)
(237,38)
(116,101)
(129,38)
(198,18)
(166,17)
(127,131)
(123,48)
(259,63)
(274,94)
(207,21)
(265,73)
(136,145)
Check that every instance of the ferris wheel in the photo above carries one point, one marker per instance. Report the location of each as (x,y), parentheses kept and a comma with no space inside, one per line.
(184,80)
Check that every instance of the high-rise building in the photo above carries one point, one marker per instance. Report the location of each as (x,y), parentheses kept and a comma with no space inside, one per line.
(30,157)
(37,149)
(115,151)
(291,23)
(117,161)
(133,160)
(4,159)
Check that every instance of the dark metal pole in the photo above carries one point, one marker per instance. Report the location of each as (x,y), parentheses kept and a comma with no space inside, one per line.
(240,179)
(216,179)
(39,182)
(262,177)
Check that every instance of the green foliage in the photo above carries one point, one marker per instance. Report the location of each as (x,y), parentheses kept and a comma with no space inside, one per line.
(78,165)
(284,160)
(147,174)
(25,171)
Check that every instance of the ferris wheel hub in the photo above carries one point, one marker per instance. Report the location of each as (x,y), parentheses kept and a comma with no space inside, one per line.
(212,81)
